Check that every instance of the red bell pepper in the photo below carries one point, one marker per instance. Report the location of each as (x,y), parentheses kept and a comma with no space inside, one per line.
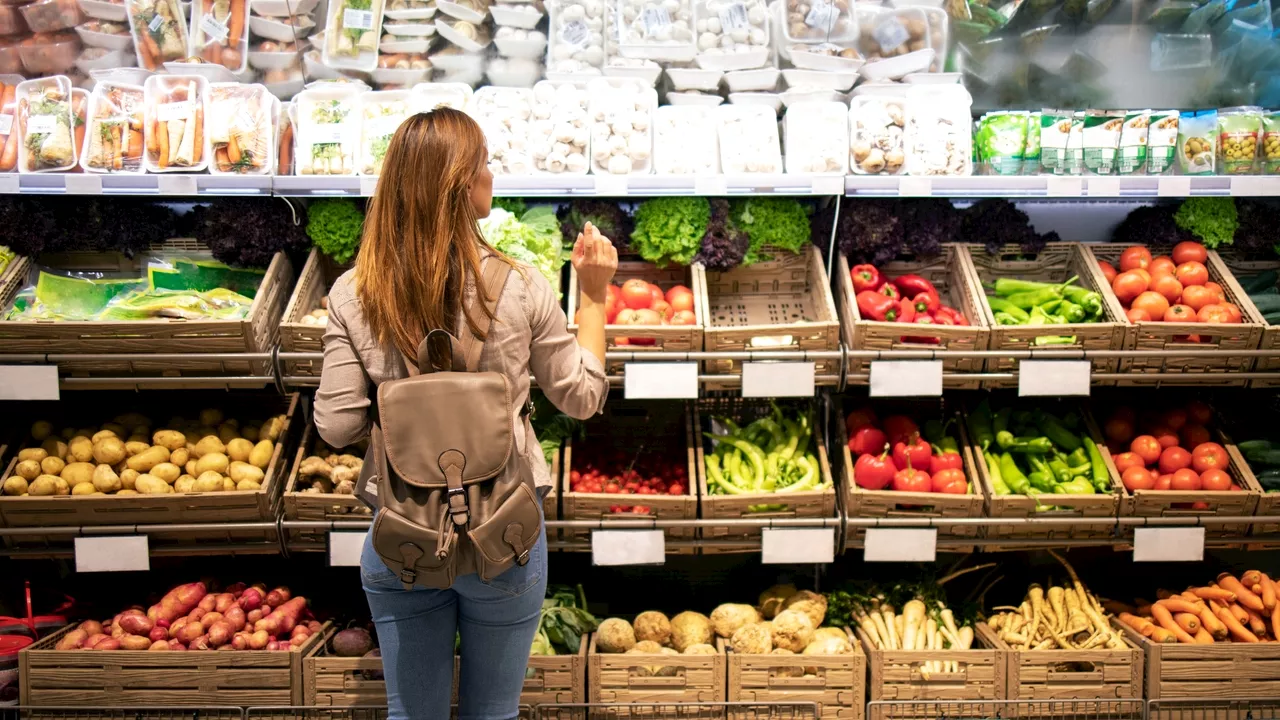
(906,312)
(923,320)
(866,277)
(889,290)
(951,315)
(945,461)
(926,303)
(874,472)
(874,306)
(913,285)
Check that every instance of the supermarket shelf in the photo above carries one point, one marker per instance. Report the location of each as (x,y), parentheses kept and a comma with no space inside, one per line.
(166,185)
(1032,186)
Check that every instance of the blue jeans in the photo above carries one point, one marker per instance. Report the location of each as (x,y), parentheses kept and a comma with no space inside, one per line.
(416,628)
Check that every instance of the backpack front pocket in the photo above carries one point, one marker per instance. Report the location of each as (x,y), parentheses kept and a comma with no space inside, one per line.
(509,535)
(409,549)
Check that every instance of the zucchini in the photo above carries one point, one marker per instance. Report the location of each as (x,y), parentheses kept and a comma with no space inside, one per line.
(1263,457)
(1266,303)
(1255,445)
(1259,282)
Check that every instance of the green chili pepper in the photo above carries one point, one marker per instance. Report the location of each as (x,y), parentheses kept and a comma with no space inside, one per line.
(1053,429)
(993,469)
(1032,445)
(1077,486)
(1071,312)
(1085,298)
(1000,305)
(1035,298)
(1100,477)
(1077,457)
(1061,472)
(1013,477)
(1041,482)
(980,425)
(1000,423)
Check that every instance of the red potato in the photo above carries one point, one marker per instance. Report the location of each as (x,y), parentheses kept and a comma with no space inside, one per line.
(224,602)
(300,630)
(250,599)
(159,634)
(117,632)
(273,645)
(91,627)
(298,640)
(220,633)
(108,644)
(236,588)
(178,602)
(283,619)
(93,640)
(197,614)
(200,643)
(240,641)
(176,627)
(163,623)
(278,597)
(314,626)
(254,616)
(138,624)
(176,645)
(208,619)
(135,642)
(160,645)
(266,609)
(236,617)
(190,632)
(208,603)
(73,640)
(259,640)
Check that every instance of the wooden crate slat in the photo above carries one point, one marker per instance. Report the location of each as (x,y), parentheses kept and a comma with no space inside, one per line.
(318,275)
(897,674)
(1222,670)
(1035,674)
(613,678)
(838,686)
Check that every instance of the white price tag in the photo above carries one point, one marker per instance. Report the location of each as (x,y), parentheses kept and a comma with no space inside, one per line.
(6,124)
(1064,186)
(777,379)
(1053,377)
(345,548)
(368,185)
(1174,186)
(734,17)
(797,545)
(29,382)
(575,34)
(122,553)
(900,545)
(181,110)
(210,26)
(8,183)
(353,19)
(828,185)
(1172,544)
(1256,186)
(177,184)
(83,184)
(41,124)
(628,547)
(710,185)
(660,381)
(909,186)
(156,21)
(1104,187)
(906,378)
(611,185)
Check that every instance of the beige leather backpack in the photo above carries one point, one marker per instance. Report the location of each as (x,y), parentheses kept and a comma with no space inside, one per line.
(454,496)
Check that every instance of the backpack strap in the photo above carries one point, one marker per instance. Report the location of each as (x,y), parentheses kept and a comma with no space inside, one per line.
(493,278)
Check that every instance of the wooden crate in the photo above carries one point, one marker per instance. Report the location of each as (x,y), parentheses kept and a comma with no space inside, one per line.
(781,304)
(1103,673)
(1056,263)
(809,504)
(1221,670)
(897,675)
(631,427)
(665,338)
(862,503)
(1168,338)
(299,505)
(318,275)
(139,678)
(208,507)
(954,280)
(1244,265)
(256,333)
(620,678)
(1064,506)
(839,685)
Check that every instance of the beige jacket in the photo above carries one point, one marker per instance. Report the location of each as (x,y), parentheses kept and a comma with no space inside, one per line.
(529,335)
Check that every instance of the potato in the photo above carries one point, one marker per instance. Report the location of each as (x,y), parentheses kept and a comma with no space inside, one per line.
(126,491)
(208,444)
(112,427)
(139,438)
(272,428)
(239,449)
(128,478)
(261,455)
(135,642)
(208,482)
(171,439)
(134,446)
(250,433)
(72,640)
(228,484)
(41,429)
(213,461)
(211,416)
(52,465)
(106,480)
(190,467)
(55,447)
(144,461)
(28,469)
(244,471)
(167,472)
(77,472)
(61,487)
(152,485)
(180,456)
(248,485)
(15,485)
(102,435)
(36,454)
(184,484)
(132,419)
(228,432)
(109,450)
(84,489)
(81,448)
(43,485)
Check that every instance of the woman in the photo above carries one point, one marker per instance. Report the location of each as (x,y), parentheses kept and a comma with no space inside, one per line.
(420,253)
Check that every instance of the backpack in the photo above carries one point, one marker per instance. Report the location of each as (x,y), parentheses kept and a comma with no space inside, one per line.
(454,496)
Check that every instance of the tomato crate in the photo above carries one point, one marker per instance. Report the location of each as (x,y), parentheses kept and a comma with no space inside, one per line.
(255,333)
(1098,505)
(956,285)
(799,504)
(302,505)
(141,678)
(1223,669)
(899,674)
(1102,673)
(837,683)
(650,338)
(1057,262)
(623,678)
(630,429)
(860,502)
(258,505)
(1167,338)
(1240,265)
(318,275)
(780,304)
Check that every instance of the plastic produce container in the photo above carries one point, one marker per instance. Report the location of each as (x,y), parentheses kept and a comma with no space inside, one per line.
(749,142)
(877,134)
(240,125)
(11,22)
(10,647)
(660,30)
(575,49)
(10,57)
(220,37)
(685,141)
(175,110)
(505,114)
(159,32)
(817,138)
(621,115)
(46,143)
(939,130)
(327,129)
(52,15)
(562,144)
(114,133)
(820,21)
(49,54)
(351,39)
(733,34)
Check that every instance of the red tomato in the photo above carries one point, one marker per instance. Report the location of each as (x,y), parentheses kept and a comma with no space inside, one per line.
(1180,313)
(1216,289)
(1192,273)
(1173,459)
(1164,482)
(1208,456)
(950,481)
(1199,412)
(1214,314)
(1152,302)
(656,294)
(614,292)
(645,316)
(860,418)
(1108,270)
(1129,285)
(1168,286)
(1119,429)
(680,298)
(1233,311)
(1126,460)
(1135,257)
(1185,479)
(662,308)
(1215,480)
(636,295)
(1146,447)
(1167,438)
(1136,478)
(684,317)
(1161,266)
(1198,296)
(1193,435)
(625,316)
(1175,419)
(1136,315)
(1188,251)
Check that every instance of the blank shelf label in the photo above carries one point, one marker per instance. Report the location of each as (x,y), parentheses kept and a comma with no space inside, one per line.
(915,187)
(1064,186)
(777,379)
(345,548)
(176,184)
(906,378)
(628,547)
(8,183)
(713,185)
(368,186)
(797,545)
(900,545)
(112,553)
(1173,186)
(1104,187)
(1172,544)
(661,381)
(1256,186)
(828,185)
(85,184)
(1053,377)
(29,382)
(611,185)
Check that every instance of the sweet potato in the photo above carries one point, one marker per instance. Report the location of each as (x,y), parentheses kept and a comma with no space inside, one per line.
(72,640)
(135,642)
(138,624)
(284,618)
(178,602)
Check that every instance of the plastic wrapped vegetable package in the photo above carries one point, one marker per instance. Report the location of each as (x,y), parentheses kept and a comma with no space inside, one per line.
(505,115)
(559,135)
(115,129)
(382,113)
(621,115)
(877,127)
(685,141)
(575,47)
(749,140)
(45,125)
(817,138)
(351,35)
(9,122)
(732,34)
(660,30)
(219,32)
(159,32)
(175,123)
(939,133)
(327,128)
(241,129)
(820,21)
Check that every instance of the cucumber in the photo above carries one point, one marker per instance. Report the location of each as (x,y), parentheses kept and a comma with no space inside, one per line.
(1266,303)
(1255,446)
(1259,282)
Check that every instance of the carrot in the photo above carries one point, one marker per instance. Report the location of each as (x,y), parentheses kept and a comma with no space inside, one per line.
(236,25)
(220,157)
(1210,622)
(135,144)
(1140,625)
(1188,622)
(117,157)
(1166,621)
(1203,637)
(233,149)
(1239,613)
(1256,624)
(1268,592)
(1239,632)
(284,163)
(151,50)
(1213,593)
(1160,635)
(153,138)
(1179,605)
(9,155)
(1244,596)
(1251,579)
(199,141)
(1275,623)
(162,129)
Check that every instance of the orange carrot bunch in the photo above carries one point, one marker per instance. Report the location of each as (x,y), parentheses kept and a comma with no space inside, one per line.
(1231,609)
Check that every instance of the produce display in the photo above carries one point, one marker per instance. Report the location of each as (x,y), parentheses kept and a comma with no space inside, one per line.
(191,617)
(1169,289)
(637,302)
(1263,457)
(551,426)
(651,470)
(329,471)
(8,123)
(1026,302)
(1066,617)
(1035,453)
(115,129)
(904,617)
(771,455)
(785,621)
(1228,610)
(211,453)
(241,128)
(175,123)
(895,454)
(159,32)
(1264,294)
(219,33)
(45,122)
(533,238)
(909,299)
(1151,452)
(563,622)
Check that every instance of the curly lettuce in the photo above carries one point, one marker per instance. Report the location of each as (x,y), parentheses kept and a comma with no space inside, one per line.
(781,223)
(533,239)
(669,230)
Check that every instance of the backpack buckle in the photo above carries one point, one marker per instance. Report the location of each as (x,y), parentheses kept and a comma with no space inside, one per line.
(523,558)
(408,575)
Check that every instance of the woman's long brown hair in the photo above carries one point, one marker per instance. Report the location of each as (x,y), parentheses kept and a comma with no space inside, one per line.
(421,241)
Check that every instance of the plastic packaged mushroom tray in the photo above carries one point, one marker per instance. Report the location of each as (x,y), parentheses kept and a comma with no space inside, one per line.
(817,138)
(575,49)
(685,141)
(621,122)
(156,477)
(661,30)
(732,35)
(748,139)
(877,134)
